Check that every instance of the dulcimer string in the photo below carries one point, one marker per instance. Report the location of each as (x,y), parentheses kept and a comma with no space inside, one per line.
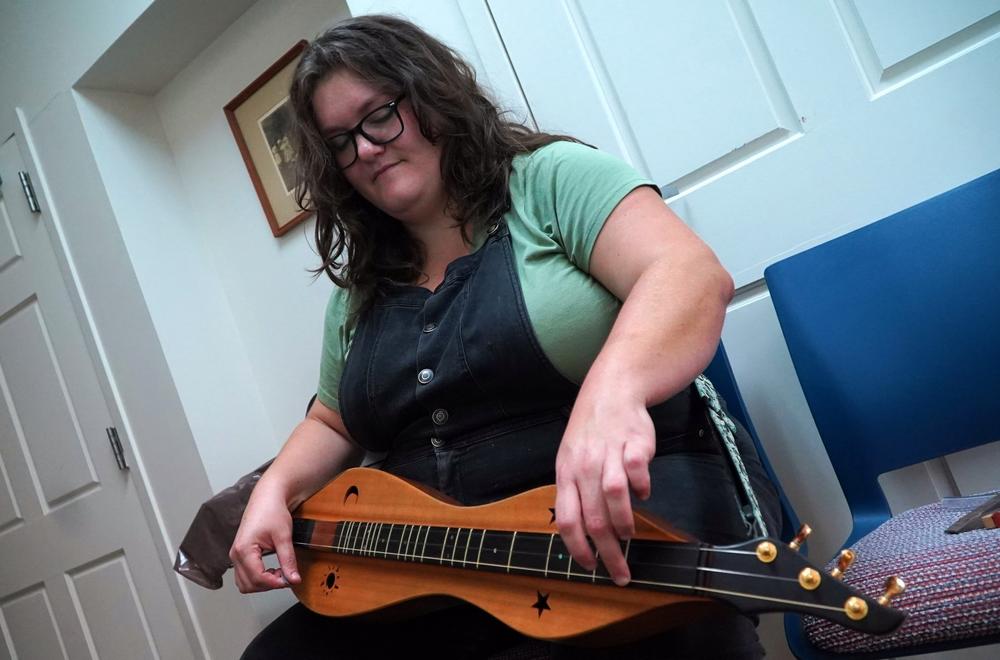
(593,575)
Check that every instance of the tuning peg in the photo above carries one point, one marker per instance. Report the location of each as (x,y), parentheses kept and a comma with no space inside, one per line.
(844,561)
(800,538)
(809,578)
(855,608)
(766,552)
(893,587)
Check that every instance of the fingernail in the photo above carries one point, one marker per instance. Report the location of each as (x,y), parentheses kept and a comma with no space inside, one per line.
(621,581)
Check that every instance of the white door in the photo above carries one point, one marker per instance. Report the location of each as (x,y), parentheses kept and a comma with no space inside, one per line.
(781,123)
(79,574)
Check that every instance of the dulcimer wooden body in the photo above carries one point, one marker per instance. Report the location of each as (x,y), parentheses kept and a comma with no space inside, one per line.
(370,543)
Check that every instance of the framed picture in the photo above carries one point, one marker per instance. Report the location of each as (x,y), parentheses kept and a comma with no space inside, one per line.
(261,120)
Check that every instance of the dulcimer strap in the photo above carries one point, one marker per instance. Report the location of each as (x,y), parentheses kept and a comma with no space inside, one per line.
(747,499)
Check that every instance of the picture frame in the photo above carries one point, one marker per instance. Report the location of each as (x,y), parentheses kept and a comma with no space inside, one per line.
(260,117)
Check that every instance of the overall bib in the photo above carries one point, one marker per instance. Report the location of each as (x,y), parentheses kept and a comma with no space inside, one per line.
(455,387)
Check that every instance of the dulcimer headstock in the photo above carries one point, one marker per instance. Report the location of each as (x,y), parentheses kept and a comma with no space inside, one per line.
(767,575)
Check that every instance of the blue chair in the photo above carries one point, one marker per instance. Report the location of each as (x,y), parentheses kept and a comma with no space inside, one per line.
(893,332)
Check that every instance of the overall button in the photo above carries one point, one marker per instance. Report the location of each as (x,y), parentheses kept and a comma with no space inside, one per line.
(440,416)
(425,376)
(437,442)
(701,433)
(493,227)
(430,327)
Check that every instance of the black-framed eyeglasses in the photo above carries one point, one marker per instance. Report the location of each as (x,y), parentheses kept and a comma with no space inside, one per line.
(380,126)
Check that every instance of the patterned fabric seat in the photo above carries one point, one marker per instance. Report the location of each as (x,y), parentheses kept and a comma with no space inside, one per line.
(952,583)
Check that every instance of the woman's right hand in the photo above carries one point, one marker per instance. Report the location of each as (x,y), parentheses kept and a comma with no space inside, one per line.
(266,527)
(318,449)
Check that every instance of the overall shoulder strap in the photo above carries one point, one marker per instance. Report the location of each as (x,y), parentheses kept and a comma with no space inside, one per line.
(748,499)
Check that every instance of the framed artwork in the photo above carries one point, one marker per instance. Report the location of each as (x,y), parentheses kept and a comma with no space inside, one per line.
(261,120)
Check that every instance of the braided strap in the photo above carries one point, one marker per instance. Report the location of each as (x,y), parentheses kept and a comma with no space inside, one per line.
(726,429)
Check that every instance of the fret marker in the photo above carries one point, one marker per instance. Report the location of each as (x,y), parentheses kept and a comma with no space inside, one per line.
(330,583)
(353,490)
(542,603)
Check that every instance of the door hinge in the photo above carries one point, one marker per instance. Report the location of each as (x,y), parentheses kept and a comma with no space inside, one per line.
(29,192)
(116,447)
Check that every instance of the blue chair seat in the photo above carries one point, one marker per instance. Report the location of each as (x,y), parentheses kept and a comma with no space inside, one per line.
(952,583)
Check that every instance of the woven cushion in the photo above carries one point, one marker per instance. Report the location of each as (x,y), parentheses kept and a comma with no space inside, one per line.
(952,583)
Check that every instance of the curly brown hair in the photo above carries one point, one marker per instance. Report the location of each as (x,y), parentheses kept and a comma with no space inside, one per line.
(478,145)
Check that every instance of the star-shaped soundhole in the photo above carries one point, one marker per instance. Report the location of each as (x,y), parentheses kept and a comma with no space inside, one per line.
(553,512)
(542,603)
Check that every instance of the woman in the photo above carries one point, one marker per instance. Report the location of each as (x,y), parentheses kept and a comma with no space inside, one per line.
(513,308)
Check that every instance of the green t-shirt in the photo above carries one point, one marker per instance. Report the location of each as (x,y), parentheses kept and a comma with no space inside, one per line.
(561,196)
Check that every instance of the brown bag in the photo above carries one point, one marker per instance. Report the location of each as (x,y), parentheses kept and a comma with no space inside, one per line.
(203,556)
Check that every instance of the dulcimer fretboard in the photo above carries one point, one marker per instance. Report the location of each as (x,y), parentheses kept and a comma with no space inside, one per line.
(653,564)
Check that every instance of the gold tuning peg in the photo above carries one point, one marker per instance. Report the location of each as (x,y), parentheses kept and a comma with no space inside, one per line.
(844,561)
(893,587)
(766,552)
(809,579)
(800,538)
(855,608)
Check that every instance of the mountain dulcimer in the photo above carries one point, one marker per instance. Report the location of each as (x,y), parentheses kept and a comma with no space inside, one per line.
(373,543)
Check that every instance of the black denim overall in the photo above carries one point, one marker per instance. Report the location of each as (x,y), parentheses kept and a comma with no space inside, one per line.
(454,385)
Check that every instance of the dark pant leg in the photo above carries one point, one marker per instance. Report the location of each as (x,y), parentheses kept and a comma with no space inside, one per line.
(461,633)
(731,636)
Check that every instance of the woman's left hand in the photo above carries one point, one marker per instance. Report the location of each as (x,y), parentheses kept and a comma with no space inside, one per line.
(603,458)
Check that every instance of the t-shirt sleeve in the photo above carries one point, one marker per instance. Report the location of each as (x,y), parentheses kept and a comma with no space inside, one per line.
(578,187)
(336,340)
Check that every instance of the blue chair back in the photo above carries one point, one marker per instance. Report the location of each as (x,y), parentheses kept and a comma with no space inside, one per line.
(721,375)
(893,331)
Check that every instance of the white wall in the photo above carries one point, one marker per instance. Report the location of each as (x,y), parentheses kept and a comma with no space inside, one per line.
(276,307)
(48,44)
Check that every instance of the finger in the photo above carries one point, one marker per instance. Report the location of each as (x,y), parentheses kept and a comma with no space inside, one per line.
(286,559)
(636,459)
(241,582)
(597,520)
(570,524)
(241,556)
(276,572)
(255,576)
(615,487)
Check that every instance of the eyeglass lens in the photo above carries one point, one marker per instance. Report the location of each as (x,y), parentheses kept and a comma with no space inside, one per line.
(380,126)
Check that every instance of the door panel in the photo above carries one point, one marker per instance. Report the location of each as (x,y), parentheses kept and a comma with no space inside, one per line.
(104,595)
(30,626)
(81,577)
(691,87)
(34,386)
(9,250)
(898,32)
